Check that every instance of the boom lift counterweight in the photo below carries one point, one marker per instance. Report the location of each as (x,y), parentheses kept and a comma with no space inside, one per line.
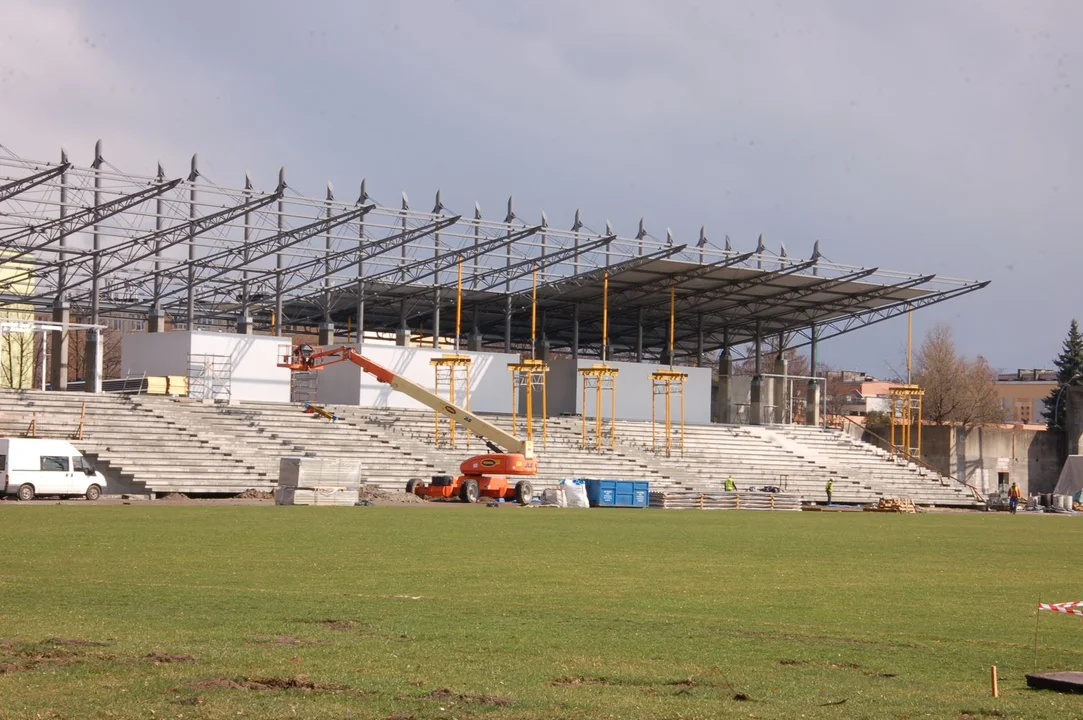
(475,481)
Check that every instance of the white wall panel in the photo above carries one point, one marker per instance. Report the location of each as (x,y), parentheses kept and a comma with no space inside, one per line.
(345,383)
(634,396)
(255,374)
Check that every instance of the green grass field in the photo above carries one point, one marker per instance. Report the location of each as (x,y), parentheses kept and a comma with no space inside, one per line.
(528,613)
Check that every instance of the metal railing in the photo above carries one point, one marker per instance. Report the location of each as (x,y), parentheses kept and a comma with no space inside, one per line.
(897,451)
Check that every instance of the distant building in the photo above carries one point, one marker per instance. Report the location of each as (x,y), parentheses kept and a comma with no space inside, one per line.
(856,394)
(1022,394)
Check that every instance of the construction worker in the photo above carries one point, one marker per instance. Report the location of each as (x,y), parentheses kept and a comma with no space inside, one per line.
(828,488)
(731,486)
(1014,494)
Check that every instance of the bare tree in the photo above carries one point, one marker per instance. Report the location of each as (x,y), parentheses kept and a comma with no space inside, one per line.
(956,390)
(111,346)
(835,399)
(21,357)
(980,404)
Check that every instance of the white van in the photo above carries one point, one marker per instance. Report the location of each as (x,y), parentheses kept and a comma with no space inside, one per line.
(40,466)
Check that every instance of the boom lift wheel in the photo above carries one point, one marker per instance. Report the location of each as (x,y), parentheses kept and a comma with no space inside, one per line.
(411,486)
(524,492)
(469,493)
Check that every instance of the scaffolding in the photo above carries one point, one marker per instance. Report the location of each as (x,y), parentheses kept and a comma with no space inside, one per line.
(210,377)
(601,378)
(905,403)
(450,371)
(528,376)
(666,384)
(663,381)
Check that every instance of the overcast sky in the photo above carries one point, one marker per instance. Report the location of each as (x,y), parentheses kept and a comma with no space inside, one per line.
(928,136)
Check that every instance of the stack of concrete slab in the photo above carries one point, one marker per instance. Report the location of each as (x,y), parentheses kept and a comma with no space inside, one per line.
(317,481)
(691,500)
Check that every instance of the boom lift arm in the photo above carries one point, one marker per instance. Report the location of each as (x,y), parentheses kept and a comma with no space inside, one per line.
(516,457)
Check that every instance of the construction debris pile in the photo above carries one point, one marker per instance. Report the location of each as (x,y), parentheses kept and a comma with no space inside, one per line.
(898,505)
(318,481)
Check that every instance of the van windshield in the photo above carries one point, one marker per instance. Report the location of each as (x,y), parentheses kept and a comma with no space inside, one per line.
(81,464)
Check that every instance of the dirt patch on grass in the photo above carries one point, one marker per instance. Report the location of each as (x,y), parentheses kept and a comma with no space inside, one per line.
(846,666)
(399,716)
(577,681)
(188,701)
(32,657)
(161,658)
(294,683)
(794,663)
(689,683)
(451,697)
(340,625)
(978,714)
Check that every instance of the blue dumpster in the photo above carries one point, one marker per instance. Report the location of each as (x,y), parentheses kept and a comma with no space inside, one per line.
(618,493)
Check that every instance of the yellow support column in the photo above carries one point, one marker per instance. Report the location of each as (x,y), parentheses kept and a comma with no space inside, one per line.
(600,378)
(446,370)
(666,383)
(906,408)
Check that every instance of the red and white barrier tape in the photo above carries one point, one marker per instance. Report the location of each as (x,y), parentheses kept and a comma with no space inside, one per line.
(1068,608)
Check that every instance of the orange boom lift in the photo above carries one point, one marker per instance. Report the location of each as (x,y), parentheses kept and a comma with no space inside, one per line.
(482,475)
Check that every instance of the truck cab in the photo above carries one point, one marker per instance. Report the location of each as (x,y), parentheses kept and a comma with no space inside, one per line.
(30,467)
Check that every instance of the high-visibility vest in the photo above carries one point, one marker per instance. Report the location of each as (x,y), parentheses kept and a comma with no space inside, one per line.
(730,485)
(830,485)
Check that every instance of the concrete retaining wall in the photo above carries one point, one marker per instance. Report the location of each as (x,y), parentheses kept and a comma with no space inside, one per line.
(976,455)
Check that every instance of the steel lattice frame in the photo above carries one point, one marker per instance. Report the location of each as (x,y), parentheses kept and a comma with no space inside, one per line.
(109,243)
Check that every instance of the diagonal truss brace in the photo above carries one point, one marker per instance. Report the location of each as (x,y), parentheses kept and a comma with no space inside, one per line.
(676,279)
(269,246)
(15,187)
(54,229)
(762,302)
(372,250)
(163,240)
(445,261)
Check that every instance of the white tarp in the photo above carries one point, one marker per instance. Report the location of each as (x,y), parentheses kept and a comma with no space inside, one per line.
(1071,476)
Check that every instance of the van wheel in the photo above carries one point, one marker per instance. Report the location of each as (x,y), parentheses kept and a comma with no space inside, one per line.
(26,492)
(93,493)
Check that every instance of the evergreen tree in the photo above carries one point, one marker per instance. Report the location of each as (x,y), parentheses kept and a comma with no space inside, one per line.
(1069,372)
